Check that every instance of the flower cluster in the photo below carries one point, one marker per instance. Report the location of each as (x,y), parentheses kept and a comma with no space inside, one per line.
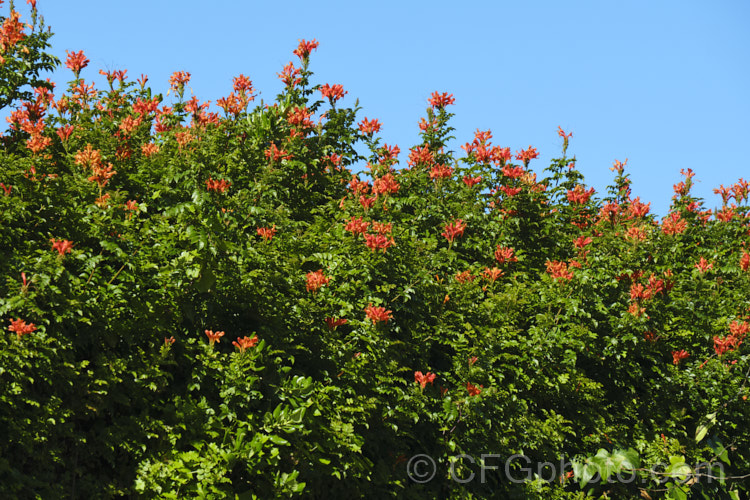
(315,280)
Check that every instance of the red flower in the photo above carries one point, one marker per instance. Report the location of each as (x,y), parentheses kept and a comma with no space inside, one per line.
(168,341)
(357,225)
(101,174)
(242,84)
(527,154)
(678,356)
(299,115)
(334,323)
(289,74)
(304,48)
(456,228)
(243,343)
(7,188)
(510,191)
(492,274)
(465,276)
(366,202)
(423,379)
(333,92)
(582,241)
(745,261)
(149,149)
(378,242)
(579,195)
(315,280)
(473,390)
(440,171)
(64,132)
(217,185)
(559,270)
(76,61)
(20,327)
(505,254)
(385,185)
(179,79)
(472,181)
(62,246)
(213,337)
(131,205)
(563,134)
(420,155)
(472,360)
(267,233)
(275,154)
(703,265)
(382,227)
(378,314)
(673,224)
(369,126)
(441,100)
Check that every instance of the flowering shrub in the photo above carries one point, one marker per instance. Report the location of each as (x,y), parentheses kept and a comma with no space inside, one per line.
(138,232)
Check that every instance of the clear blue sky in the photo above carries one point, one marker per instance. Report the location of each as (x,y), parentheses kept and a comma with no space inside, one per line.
(665,84)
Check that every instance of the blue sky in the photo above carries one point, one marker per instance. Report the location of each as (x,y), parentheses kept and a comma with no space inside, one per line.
(664,84)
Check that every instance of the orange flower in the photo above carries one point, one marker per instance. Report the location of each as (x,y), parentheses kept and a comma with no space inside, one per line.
(492,274)
(378,242)
(558,270)
(674,224)
(465,276)
(334,323)
(76,61)
(563,134)
(582,241)
(366,202)
(102,174)
(505,254)
(420,155)
(315,280)
(473,390)
(438,100)
(21,328)
(472,181)
(579,195)
(179,79)
(243,343)
(357,225)
(168,341)
(385,185)
(333,92)
(423,379)
(274,154)
(510,191)
(703,265)
(456,228)
(267,233)
(304,48)
(440,172)
(678,356)
(217,185)
(62,246)
(369,126)
(289,74)
(213,337)
(526,155)
(745,261)
(378,314)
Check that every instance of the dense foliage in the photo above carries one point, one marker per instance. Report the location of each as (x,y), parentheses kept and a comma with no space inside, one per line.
(211,305)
